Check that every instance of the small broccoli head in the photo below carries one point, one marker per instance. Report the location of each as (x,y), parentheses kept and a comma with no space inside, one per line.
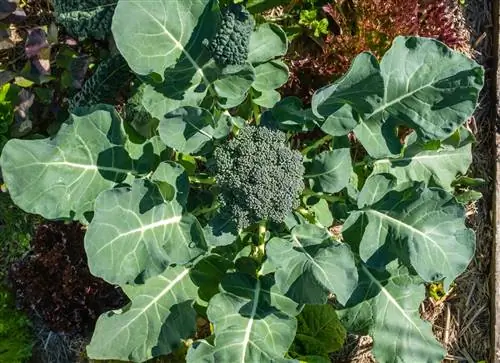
(230,44)
(259,176)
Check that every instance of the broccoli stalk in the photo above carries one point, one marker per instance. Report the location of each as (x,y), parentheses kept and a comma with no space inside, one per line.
(230,44)
(259,176)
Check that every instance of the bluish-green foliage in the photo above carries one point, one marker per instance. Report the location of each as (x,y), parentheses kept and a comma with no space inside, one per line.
(230,44)
(85,18)
(260,177)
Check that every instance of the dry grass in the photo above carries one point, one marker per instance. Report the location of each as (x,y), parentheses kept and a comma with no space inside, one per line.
(462,320)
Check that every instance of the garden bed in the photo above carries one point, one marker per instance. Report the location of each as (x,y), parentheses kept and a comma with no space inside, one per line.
(460,317)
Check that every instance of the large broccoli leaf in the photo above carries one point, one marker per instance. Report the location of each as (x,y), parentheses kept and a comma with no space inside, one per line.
(311,265)
(159,316)
(247,325)
(426,86)
(61,177)
(424,227)
(135,231)
(385,305)
(434,166)
(165,35)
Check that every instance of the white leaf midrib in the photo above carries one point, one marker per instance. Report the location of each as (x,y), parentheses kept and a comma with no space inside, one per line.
(406,226)
(178,45)
(248,330)
(142,229)
(153,301)
(391,299)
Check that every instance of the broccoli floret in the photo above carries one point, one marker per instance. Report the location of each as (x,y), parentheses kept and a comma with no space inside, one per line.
(259,176)
(230,45)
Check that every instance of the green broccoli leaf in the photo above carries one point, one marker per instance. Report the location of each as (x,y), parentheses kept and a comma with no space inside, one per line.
(330,170)
(319,332)
(420,83)
(152,233)
(385,305)
(86,157)
(267,42)
(311,264)
(160,312)
(433,167)
(187,129)
(247,326)
(270,75)
(418,225)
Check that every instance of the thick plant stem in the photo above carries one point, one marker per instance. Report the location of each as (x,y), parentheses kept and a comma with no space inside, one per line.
(328,198)
(202,180)
(199,211)
(259,251)
(256,113)
(317,144)
(262,232)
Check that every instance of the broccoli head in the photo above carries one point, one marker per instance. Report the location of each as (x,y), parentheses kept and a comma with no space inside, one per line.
(259,176)
(230,44)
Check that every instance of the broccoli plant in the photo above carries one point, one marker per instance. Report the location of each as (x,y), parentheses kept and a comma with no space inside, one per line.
(229,202)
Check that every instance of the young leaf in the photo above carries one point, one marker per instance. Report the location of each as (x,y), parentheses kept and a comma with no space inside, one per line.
(270,75)
(247,327)
(234,81)
(136,232)
(208,273)
(159,101)
(267,42)
(71,169)
(385,305)
(422,226)
(311,264)
(172,181)
(267,98)
(187,129)
(329,171)
(319,331)
(289,115)
(159,316)
(221,230)
(439,167)
(322,213)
